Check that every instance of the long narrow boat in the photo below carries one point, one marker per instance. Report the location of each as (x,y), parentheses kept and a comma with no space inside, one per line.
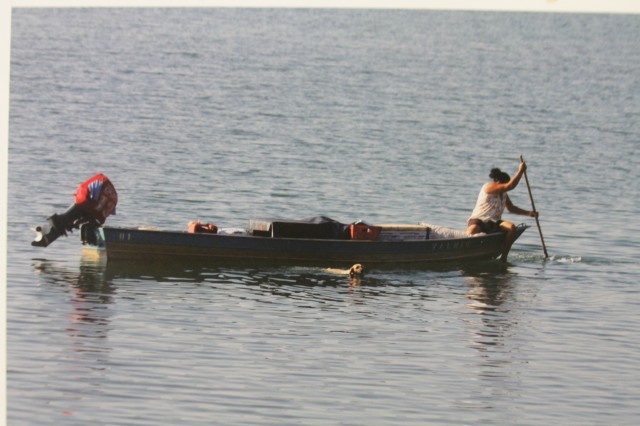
(149,244)
(315,240)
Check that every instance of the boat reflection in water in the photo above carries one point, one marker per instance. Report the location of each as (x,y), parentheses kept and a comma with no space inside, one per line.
(95,268)
(497,331)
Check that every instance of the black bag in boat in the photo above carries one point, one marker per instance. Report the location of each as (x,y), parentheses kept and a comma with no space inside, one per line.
(319,227)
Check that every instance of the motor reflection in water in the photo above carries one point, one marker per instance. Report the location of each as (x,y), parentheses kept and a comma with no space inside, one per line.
(90,298)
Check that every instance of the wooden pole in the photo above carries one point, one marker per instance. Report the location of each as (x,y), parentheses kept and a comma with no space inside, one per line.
(533,206)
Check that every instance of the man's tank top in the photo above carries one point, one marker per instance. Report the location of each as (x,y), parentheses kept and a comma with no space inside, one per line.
(489,206)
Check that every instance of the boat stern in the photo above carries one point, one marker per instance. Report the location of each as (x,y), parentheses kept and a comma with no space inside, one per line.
(92,235)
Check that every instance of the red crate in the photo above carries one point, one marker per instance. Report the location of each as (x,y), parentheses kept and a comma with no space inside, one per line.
(364,232)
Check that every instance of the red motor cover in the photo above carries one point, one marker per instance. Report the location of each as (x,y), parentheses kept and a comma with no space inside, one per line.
(98,197)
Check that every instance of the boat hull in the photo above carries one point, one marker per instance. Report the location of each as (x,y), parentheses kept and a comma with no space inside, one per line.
(138,244)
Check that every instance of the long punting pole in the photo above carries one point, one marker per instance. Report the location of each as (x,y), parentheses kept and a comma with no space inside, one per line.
(533,206)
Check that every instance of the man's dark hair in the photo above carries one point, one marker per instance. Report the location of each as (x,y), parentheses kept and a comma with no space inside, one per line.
(499,176)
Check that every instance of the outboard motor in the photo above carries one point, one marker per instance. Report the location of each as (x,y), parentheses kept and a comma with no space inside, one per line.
(95,200)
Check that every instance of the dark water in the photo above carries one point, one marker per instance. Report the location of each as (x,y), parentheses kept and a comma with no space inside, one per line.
(389,116)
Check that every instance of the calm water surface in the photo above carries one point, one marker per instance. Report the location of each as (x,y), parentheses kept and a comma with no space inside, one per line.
(222,115)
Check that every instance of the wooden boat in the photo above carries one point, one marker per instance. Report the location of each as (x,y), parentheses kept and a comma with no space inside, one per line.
(314,240)
(149,244)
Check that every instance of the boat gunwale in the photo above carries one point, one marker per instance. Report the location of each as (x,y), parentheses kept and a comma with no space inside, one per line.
(520,229)
(184,244)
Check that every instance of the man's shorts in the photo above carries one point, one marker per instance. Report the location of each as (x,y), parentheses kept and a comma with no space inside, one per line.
(486,226)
